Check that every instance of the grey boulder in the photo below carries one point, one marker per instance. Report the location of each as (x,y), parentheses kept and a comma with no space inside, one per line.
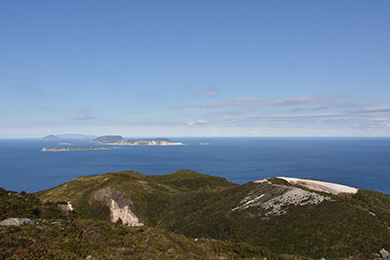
(17,222)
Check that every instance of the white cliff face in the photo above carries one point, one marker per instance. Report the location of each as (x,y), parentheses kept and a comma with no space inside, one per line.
(125,214)
(148,142)
(170,143)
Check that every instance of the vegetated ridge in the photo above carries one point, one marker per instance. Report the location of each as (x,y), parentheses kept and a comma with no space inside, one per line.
(55,231)
(273,213)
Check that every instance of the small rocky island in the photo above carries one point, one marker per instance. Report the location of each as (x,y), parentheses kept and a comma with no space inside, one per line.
(76,148)
(119,140)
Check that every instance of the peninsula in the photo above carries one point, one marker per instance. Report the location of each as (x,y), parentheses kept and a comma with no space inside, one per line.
(119,140)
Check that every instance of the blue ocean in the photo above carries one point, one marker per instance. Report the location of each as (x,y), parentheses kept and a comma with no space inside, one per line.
(359,162)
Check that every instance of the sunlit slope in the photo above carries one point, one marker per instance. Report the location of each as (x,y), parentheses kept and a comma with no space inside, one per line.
(149,197)
(271,213)
(59,234)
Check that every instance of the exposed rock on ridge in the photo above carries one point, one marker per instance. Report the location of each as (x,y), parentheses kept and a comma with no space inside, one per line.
(276,202)
(125,214)
(119,207)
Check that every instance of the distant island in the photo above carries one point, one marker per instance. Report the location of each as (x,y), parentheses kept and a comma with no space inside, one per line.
(75,148)
(68,136)
(76,136)
(119,140)
(51,137)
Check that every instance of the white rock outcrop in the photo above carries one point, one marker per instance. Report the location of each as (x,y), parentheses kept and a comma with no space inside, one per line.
(275,201)
(120,207)
(66,207)
(125,214)
(293,196)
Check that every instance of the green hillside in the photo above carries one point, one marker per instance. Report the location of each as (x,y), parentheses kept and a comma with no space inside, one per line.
(274,214)
(69,235)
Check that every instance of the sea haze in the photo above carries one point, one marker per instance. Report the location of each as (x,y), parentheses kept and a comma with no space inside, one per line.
(358,162)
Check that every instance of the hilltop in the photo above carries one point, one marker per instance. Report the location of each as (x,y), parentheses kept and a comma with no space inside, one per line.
(286,217)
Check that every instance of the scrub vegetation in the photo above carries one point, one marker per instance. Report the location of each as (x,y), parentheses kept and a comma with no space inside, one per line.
(190,215)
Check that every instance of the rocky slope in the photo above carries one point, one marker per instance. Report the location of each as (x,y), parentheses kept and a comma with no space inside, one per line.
(274,213)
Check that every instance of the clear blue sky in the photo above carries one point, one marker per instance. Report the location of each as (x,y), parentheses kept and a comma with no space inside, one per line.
(195,68)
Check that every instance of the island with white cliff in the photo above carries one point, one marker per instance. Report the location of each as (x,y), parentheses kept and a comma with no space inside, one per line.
(119,140)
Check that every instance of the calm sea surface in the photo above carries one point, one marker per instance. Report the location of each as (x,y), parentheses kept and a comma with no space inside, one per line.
(358,162)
